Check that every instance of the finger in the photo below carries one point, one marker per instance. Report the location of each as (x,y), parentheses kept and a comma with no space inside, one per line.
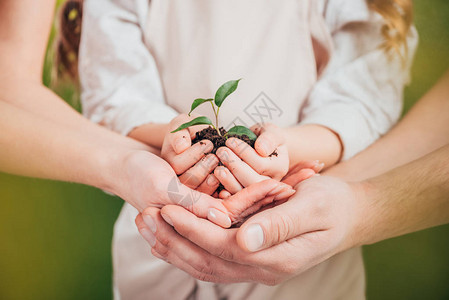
(198,203)
(269,139)
(191,258)
(194,176)
(241,170)
(275,166)
(274,226)
(212,238)
(221,243)
(315,165)
(298,177)
(209,186)
(227,179)
(245,152)
(187,159)
(256,195)
(224,194)
(180,140)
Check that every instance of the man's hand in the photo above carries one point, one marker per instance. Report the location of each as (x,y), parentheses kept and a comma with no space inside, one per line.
(270,247)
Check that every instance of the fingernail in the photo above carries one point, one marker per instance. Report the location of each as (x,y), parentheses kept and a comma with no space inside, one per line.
(232,142)
(254,237)
(148,236)
(318,166)
(150,223)
(276,190)
(206,145)
(180,144)
(317,174)
(221,153)
(287,193)
(264,147)
(167,219)
(210,160)
(218,217)
(211,181)
(222,172)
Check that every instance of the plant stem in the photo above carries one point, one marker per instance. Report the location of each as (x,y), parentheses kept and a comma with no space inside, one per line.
(216,118)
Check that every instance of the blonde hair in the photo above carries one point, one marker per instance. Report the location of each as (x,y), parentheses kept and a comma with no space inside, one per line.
(398,16)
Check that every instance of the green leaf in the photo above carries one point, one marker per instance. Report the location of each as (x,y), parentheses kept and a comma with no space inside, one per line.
(198,102)
(225,90)
(242,130)
(196,121)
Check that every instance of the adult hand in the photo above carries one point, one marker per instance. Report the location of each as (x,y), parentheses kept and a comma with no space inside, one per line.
(143,179)
(319,221)
(193,163)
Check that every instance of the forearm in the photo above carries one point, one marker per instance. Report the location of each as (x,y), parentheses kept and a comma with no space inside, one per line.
(53,141)
(150,134)
(36,99)
(313,142)
(407,199)
(424,129)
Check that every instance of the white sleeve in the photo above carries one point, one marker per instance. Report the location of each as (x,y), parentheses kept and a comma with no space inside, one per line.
(120,83)
(359,95)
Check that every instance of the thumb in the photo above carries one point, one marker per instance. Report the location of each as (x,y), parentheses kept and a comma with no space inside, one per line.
(271,227)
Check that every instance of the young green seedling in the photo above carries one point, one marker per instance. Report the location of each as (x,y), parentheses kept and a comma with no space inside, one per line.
(222,93)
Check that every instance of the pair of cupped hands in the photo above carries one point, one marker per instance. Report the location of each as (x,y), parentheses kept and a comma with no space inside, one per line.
(189,225)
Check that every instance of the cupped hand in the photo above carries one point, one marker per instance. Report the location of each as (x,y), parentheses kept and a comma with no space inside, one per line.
(244,165)
(145,180)
(193,163)
(320,220)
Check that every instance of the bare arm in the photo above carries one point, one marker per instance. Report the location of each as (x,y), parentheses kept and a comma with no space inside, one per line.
(424,129)
(42,136)
(407,199)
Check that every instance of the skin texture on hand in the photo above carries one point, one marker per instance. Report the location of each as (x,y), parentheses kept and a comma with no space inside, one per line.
(313,142)
(145,180)
(249,253)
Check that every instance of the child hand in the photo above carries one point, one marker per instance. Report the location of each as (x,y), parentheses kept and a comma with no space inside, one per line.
(302,171)
(244,165)
(192,163)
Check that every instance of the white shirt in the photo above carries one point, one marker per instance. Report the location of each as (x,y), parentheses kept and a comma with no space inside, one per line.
(132,72)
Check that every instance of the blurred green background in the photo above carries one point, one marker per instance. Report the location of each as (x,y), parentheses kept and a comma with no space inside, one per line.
(55,237)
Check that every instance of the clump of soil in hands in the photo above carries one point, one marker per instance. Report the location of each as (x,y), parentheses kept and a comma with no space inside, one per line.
(212,135)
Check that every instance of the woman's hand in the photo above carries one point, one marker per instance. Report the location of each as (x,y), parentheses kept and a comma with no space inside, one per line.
(145,180)
(193,163)
(320,220)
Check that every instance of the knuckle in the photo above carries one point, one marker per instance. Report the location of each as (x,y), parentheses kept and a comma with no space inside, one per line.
(280,227)
(203,277)
(271,281)
(205,267)
(224,253)
(162,251)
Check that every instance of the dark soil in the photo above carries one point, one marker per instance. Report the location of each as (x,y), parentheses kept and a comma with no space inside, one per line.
(212,135)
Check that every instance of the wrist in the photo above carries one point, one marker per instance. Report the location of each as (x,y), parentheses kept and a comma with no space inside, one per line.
(313,142)
(108,163)
(151,134)
(366,213)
